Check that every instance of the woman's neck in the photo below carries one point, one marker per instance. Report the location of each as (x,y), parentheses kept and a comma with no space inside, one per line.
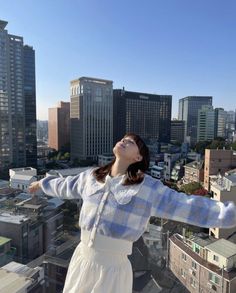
(118,168)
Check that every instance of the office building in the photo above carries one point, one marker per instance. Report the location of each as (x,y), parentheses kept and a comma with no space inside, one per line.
(188,111)
(211,123)
(220,122)
(206,123)
(147,115)
(230,125)
(42,130)
(59,126)
(17,102)
(91,118)
(177,131)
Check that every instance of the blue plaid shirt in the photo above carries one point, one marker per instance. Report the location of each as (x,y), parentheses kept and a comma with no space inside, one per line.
(122,212)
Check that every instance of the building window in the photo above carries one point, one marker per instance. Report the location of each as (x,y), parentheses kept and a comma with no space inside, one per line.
(197,250)
(216,258)
(194,265)
(184,256)
(213,278)
(192,282)
(183,274)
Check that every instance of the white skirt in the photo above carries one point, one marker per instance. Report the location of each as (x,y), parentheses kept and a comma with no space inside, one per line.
(102,268)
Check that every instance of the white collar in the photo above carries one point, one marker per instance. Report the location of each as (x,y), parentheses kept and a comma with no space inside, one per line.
(122,193)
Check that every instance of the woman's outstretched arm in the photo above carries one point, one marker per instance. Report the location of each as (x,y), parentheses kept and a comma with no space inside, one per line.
(192,209)
(70,187)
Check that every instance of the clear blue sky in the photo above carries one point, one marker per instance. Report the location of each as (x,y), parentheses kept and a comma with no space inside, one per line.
(176,47)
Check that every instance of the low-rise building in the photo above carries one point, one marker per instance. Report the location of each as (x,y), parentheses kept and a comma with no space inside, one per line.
(206,265)
(21,178)
(6,251)
(194,172)
(224,189)
(157,172)
(169,160)
(16,277)
(33,224)
(105,159)
(177,171)
(217,162)
(26,234)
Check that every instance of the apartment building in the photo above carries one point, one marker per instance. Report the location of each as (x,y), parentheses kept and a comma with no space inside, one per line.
(169,160)
(224,189)
(217,162)
(203,264)
(18,144)
(194,172)
(32,224)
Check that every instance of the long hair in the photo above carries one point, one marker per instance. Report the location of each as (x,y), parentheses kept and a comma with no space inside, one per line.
(135,171)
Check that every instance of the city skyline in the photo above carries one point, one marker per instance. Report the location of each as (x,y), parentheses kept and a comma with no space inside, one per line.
(172,47)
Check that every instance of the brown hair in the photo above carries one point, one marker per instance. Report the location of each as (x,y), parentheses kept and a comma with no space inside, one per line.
(134,174)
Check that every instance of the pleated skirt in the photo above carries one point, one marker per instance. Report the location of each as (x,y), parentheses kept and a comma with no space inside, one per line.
(102,268)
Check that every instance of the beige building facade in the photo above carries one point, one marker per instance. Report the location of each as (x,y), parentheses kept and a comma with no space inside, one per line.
(224,189)
(194,172)
(197,272)
(217,162)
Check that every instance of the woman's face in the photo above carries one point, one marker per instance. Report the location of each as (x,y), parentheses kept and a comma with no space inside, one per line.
(127,149)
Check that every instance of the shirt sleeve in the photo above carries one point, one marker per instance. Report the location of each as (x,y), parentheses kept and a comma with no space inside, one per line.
(70,187)
(192,209)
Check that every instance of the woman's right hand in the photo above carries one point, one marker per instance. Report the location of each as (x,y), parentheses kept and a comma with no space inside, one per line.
(34,186)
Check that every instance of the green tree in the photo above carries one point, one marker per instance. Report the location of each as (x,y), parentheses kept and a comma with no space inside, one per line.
(190,188)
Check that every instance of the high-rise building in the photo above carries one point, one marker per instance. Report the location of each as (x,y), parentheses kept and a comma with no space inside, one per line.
(17,102)
(188,111)
(230,125)
(211,123)
(30,107)
(220,122)
(177,130)
(147,115)
(59,126)
(206,123)
(91,115)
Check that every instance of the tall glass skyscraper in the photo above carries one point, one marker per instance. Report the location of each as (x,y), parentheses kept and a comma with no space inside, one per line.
(188,111)
(17,102)
(148,115)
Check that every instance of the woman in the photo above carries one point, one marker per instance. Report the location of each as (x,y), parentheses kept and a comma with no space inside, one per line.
(118,200)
